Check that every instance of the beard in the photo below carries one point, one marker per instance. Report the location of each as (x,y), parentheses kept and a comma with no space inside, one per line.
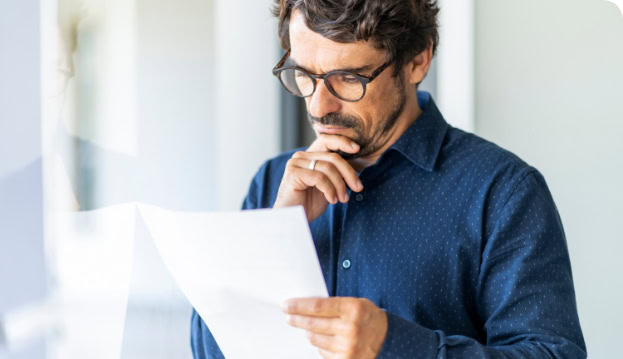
(368,143)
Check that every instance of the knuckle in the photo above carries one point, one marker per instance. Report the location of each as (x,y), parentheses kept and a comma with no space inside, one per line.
(335,157)
(353,331)
(364,302)
(319,177)
(308,322)
(298,154)
(350,352)
(320,165)
(357,308)
(355,305)
(317,306)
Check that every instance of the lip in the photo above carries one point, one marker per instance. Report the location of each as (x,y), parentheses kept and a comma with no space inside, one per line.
(330,130)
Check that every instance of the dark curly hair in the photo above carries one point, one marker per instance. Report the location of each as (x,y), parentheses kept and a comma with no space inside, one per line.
(402,28)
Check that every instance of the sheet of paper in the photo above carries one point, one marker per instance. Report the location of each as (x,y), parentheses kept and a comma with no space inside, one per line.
(237,268)
(93,253)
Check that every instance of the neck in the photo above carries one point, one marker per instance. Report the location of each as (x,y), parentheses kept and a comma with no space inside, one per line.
(408,116)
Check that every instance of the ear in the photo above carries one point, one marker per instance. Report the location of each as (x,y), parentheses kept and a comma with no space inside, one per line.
(416,69)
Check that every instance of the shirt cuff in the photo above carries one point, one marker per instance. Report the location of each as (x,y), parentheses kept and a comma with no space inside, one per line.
(406,339)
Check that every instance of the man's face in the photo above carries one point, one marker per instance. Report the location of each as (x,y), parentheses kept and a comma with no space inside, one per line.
(368,121)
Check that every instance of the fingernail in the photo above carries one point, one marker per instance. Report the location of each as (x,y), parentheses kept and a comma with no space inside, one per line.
(359,184)
(346,197)
(354,145)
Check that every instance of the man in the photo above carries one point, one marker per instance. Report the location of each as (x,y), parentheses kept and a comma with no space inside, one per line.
(433,242)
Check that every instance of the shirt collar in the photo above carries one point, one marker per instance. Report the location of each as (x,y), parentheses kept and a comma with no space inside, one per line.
(421,142)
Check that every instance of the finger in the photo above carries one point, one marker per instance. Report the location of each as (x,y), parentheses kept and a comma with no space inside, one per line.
(319,325)
(327,354)
(330,171)
(346,171)
(303,178)
(316,307)
(327,143)
(327,342)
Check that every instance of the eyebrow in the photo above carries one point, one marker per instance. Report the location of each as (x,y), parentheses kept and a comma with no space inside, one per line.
(356,70)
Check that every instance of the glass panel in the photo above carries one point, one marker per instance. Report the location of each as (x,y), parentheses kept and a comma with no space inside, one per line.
(297,82)
(346,85)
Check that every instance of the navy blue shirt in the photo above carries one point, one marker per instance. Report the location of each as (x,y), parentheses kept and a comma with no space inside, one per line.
(458,240)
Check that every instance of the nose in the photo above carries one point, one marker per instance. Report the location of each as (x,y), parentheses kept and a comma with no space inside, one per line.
(322,102)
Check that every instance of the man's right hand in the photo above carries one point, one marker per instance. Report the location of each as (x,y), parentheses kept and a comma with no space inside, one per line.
(326,183)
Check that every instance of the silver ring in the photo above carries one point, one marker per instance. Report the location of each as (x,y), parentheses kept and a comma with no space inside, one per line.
(312,164)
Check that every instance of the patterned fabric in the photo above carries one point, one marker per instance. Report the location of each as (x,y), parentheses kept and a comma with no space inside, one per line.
(458,240)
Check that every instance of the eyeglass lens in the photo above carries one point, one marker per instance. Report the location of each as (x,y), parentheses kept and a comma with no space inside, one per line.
(344,84)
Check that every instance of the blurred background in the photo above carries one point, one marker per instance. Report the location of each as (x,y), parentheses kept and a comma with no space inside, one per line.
(103,103)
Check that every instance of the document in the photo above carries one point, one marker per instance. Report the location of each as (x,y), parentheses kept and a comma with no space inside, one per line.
(237,268)
(93,267)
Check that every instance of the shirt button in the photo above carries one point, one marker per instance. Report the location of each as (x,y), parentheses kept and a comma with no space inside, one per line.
(359,197)
(346,264)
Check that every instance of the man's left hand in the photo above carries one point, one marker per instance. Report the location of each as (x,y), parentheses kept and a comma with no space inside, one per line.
(340,327)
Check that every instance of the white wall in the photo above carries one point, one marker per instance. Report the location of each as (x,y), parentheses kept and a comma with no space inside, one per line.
(175,77)
(208,110)
(549,87)
(247,95)
(455,63)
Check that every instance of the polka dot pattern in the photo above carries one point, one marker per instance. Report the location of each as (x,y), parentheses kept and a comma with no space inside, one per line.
(458,240)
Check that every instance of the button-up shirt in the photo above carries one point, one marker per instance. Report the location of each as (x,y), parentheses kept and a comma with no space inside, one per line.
(457,239)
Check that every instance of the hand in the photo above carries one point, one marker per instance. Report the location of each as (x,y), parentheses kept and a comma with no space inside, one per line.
(340,327)
(315,189)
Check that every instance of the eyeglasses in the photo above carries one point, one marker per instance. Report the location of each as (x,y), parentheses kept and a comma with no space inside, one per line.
(345,85)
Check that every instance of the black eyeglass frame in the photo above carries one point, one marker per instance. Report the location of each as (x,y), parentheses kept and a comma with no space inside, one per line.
(364,80)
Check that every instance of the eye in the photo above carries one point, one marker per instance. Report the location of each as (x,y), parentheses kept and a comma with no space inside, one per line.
(349,79)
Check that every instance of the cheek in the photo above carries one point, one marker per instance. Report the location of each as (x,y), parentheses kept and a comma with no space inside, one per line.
(370,112)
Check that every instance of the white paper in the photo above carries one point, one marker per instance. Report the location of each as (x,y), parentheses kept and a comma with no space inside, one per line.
(93,252)
(237,268)
(157,321)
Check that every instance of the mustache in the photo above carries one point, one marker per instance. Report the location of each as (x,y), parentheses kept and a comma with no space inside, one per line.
(334,119)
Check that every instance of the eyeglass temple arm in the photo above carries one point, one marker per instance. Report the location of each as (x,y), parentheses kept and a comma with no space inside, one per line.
(379,70)
(282,61)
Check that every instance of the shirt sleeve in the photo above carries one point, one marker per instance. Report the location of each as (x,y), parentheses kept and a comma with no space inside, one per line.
(525,295)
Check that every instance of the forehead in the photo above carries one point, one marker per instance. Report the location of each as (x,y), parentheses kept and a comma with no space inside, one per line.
(319,54)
